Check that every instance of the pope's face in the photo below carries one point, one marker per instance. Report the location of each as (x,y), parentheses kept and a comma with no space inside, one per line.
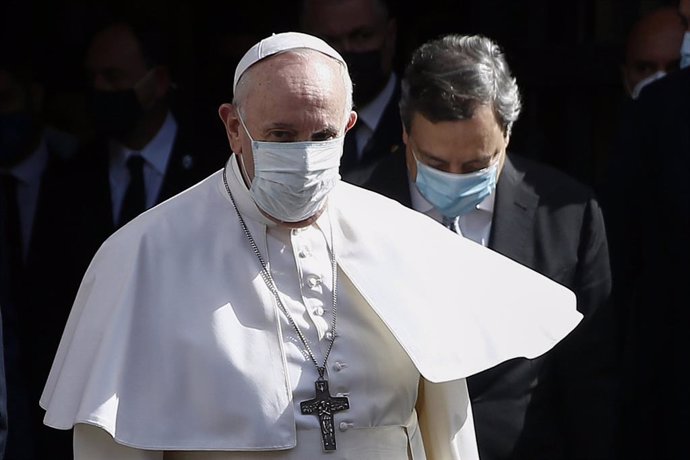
(288,98)
(457,147)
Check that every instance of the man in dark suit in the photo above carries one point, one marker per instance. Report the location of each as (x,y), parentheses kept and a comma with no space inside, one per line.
(458,104)
(364,33)
(31,154)
(3,398)
(648,207)
(142,154)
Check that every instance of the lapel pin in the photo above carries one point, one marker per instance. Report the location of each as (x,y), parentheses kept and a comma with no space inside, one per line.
(187,162)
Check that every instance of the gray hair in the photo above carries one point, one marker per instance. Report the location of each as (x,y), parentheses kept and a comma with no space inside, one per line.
(448,78)
(305,53)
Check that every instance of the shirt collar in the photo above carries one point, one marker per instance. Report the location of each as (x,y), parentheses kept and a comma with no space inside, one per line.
(371,113)
(156,152)
(421,204)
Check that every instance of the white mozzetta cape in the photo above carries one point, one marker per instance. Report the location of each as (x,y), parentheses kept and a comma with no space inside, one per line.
(166,349)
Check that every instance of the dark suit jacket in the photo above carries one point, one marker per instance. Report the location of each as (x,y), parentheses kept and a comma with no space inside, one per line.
(558,406)
(386,139)
(3,398)
(19,329)
(648,207)
(73,219)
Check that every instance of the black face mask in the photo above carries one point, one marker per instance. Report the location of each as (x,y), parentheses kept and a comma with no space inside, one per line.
(115,113)
(367,75)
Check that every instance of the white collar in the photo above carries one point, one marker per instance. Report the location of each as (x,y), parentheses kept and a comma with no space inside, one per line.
(371,113)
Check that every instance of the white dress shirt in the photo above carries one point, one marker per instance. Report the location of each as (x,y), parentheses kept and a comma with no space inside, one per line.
(156,155)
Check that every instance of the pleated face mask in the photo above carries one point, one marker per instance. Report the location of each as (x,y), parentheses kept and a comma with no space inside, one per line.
(455,194)
(292,180)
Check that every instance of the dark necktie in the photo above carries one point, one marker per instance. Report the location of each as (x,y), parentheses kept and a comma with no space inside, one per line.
(10,234)
(134,202)
(450,223)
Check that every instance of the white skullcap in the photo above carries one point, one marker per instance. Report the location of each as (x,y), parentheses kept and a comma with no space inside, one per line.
(278,43)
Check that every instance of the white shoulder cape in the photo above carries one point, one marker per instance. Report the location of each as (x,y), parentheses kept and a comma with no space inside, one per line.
(165,349)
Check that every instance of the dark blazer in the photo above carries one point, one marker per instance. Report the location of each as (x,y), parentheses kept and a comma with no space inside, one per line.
(73,220)
(20,327)
(560,405)
(648,207)
(3,397)
(386,139)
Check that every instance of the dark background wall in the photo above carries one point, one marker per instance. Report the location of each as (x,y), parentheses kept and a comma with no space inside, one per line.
(565,55)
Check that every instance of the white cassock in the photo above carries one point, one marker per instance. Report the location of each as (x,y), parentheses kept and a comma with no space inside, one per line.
(176,349)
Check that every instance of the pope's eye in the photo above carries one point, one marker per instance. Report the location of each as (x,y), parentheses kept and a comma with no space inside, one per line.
(323,136)
(280,136)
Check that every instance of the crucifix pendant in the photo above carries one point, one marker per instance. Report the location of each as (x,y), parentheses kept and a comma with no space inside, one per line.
(324,406)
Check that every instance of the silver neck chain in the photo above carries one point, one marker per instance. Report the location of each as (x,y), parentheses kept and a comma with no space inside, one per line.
(270,283)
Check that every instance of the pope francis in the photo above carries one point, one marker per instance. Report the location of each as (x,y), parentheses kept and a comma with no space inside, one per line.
(274,312)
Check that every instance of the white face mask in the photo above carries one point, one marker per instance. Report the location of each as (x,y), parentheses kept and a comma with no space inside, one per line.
(685,51)
(644,82)
(292,179)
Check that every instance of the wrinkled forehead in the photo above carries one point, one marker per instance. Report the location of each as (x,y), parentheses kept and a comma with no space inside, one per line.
(292,79)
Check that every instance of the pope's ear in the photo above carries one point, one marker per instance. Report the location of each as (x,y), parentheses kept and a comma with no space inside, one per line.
(228,115)
(351,121)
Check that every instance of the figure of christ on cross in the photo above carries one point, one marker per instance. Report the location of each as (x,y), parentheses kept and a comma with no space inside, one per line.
(324,406)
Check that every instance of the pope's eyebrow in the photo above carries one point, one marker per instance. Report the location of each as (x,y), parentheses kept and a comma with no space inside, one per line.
(326,133)
(279,125)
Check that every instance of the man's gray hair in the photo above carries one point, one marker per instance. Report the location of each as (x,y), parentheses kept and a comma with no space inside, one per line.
(448,78)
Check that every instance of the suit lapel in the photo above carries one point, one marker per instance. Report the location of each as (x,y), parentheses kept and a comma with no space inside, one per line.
(181,170)
(387,138)
(513,221)
(389,178)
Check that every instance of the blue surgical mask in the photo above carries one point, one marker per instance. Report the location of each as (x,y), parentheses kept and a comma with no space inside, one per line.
(455,194)
(685,51)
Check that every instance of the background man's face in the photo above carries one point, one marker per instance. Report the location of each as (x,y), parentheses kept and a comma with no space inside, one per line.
(362,31)
(349,25)
(653,46)
(457,147)
(685,12)
(114,60)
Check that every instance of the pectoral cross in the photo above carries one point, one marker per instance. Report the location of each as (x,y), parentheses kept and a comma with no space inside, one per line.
(324,406)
